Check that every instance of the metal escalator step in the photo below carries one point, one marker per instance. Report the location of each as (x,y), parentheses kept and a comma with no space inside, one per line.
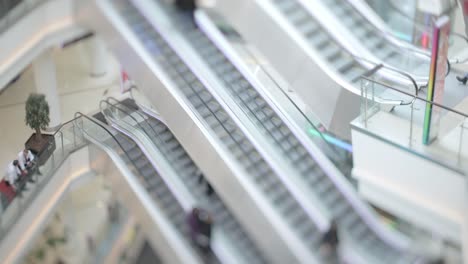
(355,74)
(300,17)
(320,39)
(287,6)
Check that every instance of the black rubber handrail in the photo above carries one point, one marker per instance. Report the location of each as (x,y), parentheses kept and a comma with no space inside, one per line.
(309,121)
(81,115)
(418,98)
(136,111)
(116,105)
(383,66)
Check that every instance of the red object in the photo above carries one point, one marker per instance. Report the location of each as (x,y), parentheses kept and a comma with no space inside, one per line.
(124,76)
(425,40)
(125,82)
(7,190)
(465,7)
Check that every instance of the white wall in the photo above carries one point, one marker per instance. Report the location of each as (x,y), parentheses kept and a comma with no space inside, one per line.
(409,186)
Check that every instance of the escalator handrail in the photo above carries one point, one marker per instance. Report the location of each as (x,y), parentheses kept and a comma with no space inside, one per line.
(310,8)
(145,109)
(151,113)
(405,74)
(217,38)
(306,5)
(96,122)
(419,98)
(141,192)
(389,36)
(116,105)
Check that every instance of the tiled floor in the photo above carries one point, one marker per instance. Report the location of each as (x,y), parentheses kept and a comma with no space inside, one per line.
(77,89)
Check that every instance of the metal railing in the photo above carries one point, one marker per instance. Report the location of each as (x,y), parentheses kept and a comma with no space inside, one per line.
(448,149)
(67,140)
(99,134)
(116,106)
(115,109)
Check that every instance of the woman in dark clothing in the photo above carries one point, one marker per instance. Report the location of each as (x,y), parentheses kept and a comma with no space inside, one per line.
(200,223)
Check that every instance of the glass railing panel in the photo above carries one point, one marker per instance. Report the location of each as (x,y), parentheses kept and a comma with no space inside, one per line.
(405,126)
(67,139)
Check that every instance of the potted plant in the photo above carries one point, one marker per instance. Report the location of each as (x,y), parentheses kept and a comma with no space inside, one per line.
(37,118)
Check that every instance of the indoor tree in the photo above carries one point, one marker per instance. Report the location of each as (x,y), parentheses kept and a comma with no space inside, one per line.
(37,113)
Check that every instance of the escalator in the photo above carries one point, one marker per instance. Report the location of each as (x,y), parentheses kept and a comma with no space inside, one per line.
(127,152)
(228,235)
(267,84)
(336,195)
(305,53)
(381,44)
(322,38)
(292,223)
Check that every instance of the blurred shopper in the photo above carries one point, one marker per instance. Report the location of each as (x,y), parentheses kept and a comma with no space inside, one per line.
(201,178)
(200,224)
(27,163)
(26,159)
(14,173)
(330,241)
(186,4)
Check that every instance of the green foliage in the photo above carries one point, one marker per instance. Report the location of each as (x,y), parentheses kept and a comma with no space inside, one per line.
(37,112)
(40,254)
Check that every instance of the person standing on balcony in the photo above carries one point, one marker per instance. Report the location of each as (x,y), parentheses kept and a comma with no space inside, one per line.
(13,173)
(26,163)
(26,159)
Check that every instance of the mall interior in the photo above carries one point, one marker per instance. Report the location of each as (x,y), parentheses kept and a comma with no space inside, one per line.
(234,131)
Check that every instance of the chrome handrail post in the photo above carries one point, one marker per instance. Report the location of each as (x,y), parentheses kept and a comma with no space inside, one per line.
(462,128)
(366,106)
(411,124)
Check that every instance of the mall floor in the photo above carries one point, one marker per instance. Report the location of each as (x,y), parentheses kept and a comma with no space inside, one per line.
(78,91)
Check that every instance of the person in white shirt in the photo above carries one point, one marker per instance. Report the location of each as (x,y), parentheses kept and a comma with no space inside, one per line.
(25,159)
(13,173)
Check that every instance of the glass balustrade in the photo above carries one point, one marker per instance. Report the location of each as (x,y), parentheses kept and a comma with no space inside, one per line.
(67,139)
(403,124)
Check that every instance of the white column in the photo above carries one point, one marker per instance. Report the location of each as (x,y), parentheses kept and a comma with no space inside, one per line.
(46,83)
(99,57)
